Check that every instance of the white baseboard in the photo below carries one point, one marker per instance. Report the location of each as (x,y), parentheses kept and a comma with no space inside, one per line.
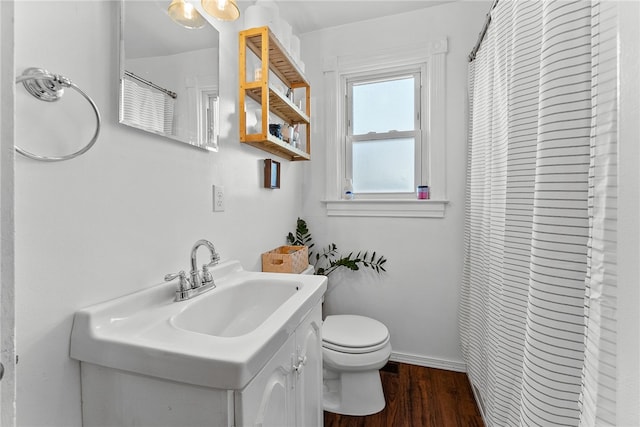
(429,362)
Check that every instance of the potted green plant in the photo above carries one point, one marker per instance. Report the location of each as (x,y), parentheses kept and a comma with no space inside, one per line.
(329,259)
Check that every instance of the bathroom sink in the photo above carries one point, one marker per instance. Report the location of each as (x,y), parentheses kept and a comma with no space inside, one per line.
(236,310)
(218,339)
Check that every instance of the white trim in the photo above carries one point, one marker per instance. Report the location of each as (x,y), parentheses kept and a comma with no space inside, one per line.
(387,208)
(429,362)
(434,131)
(382,58)
(435,127)
(335,169)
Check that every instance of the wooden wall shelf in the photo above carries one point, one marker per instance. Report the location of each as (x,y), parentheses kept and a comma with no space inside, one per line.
(282,63)
(277,147)
(274,58)
(280,105)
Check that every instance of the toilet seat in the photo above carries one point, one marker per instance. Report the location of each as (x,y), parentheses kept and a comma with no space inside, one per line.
(353,334)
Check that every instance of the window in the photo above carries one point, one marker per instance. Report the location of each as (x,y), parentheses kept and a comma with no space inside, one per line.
(383,141)
(385,126)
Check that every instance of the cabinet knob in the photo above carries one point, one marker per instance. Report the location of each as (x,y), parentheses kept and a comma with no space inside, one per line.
(302,360)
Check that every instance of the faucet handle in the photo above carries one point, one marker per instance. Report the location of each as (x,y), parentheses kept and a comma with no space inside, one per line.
(207,277)
(184,284)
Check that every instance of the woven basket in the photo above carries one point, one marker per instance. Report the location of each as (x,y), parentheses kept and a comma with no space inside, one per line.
(286,259)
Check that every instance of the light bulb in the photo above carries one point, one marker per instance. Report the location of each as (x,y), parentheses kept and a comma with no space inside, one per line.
(224,10)
(185,14)
(188,10)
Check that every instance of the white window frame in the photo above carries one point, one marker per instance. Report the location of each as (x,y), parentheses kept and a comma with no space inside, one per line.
(431,57)
(348,81)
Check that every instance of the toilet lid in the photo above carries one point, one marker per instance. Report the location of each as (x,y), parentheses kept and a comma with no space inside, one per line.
(353,334)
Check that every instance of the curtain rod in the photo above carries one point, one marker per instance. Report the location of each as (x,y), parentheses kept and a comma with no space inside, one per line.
(153,85)
(487,21)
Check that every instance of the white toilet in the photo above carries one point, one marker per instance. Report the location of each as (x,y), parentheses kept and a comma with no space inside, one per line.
(354,348)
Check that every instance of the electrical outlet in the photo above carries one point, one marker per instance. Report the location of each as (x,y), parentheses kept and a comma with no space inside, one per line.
(218,198)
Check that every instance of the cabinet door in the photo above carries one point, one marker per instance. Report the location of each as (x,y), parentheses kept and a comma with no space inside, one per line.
(309,373)
(268,401)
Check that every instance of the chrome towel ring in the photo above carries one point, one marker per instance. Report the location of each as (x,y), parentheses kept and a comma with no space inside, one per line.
(50,87)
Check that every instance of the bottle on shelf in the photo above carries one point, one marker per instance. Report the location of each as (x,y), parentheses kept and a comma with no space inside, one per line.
(348,189)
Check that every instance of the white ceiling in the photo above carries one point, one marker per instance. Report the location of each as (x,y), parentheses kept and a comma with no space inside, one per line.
(311,15)
(150,33)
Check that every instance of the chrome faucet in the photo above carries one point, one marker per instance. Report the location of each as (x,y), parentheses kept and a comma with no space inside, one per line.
(189,288)
(196,281)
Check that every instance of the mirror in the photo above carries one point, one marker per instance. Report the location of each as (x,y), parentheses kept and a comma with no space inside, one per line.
(168,75)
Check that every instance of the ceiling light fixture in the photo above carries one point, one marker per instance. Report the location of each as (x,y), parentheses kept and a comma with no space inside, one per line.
(224,10)
(185,14)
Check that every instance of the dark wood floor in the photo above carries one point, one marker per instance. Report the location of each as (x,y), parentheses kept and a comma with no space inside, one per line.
(419,397)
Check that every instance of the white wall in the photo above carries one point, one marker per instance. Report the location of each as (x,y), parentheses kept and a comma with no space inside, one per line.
(628,352)
(418,298)
(120,217)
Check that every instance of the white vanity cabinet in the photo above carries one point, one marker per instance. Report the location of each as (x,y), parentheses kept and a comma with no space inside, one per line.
(245,353)
(269,400)
(288,390)
(308,385)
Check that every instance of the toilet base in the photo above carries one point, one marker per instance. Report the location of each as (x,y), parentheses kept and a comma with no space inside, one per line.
(353,393)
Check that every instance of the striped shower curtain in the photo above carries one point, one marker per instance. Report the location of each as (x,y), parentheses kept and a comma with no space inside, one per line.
(537,314)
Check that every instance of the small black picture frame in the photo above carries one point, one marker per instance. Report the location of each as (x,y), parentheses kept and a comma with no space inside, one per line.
(271,174)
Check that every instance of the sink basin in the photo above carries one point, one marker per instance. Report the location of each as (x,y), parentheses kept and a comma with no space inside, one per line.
(218,339)
(236,310)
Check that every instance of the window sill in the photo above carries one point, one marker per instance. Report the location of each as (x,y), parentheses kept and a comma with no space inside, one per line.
(387,208)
